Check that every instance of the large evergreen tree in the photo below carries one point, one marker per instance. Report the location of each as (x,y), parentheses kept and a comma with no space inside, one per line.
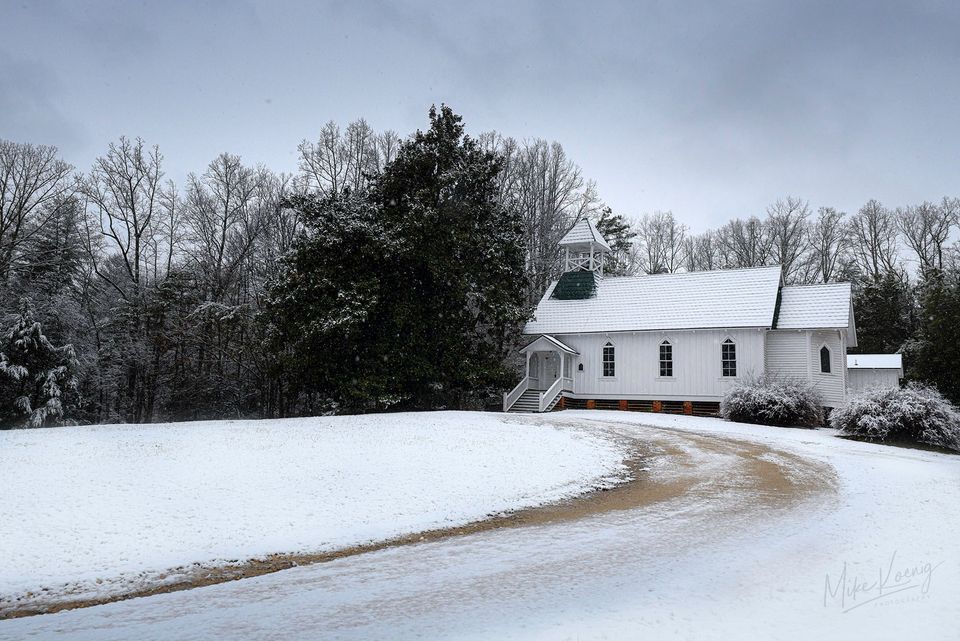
(933,356)
(411,293)
(37,380)
(885,314)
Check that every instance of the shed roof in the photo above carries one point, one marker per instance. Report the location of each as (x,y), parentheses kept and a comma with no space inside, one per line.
(583,233)
(874,361)
(696,300)
(814,306)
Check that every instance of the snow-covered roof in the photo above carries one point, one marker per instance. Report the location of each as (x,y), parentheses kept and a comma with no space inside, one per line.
(695,300)
(548,343)
(874,361)
(814,306)
(583,233)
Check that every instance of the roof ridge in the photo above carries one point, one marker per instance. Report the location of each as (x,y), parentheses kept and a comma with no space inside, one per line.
(703,271)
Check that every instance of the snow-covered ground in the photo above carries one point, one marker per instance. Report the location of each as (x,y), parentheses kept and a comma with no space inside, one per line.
(871,555)
(100,510)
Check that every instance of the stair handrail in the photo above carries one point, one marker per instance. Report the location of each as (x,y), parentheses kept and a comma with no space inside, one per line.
(509,398)
(548,396)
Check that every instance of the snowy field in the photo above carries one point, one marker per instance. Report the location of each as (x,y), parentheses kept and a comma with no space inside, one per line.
(92,511)
(873,556)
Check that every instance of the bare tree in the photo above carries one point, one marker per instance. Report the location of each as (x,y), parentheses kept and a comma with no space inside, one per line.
(926,228)
(33,181)
(743,243)
(787,233)
(126,205)
(551,195)
(701,252)
(339,160)
(874,241)
(124,190)
(829,240)
(386,146)
(660,243)
(224,219)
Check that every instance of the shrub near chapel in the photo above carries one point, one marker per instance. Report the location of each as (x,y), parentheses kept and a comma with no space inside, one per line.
(773,401)
(915,413)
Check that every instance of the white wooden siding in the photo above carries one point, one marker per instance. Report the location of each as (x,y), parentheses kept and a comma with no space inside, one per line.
(696,364)
(859,380)
(796,353)
(787,354)
(832,386)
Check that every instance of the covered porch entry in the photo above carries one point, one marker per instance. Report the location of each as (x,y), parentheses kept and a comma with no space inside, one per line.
(549,373)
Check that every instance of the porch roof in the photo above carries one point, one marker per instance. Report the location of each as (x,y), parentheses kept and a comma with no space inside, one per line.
(547,343)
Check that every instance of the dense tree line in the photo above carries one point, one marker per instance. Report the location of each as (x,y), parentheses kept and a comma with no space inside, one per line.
(904,265)
(386,272)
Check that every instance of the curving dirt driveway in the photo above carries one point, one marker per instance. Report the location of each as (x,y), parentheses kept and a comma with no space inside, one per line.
(696,497)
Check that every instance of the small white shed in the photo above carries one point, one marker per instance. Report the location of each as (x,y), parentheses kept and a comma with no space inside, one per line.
(865,371)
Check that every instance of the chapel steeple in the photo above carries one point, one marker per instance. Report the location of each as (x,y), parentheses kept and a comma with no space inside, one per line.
(584,248)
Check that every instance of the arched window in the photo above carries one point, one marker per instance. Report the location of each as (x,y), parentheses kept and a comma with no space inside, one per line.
(728,357)
(825,359)
(666,358)
(609,360)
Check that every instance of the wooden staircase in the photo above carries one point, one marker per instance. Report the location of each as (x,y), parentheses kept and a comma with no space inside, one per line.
(529,401)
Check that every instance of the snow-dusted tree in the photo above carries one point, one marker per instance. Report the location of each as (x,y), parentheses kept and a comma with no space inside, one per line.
(33,181)
(126,238)
(37,379)
(619,235)
(549,191)
(410,293)
(339,159)
(227,209)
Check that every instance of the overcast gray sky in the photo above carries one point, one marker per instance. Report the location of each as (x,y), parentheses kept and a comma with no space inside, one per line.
(710,111)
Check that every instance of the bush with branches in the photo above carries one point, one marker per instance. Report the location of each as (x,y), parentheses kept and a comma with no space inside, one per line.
(915,413)
(772,400)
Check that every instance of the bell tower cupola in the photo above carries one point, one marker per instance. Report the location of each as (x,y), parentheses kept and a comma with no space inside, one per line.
(584,248)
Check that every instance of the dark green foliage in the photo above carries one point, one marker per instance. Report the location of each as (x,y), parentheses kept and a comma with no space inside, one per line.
(410,294)
(37,380)
(885,314)
(577,285)
(616,230)
(934,355)
(770,400)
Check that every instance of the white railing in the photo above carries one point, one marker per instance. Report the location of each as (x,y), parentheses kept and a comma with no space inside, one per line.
(567,384)
(551,394)
(509,398)
(580,263)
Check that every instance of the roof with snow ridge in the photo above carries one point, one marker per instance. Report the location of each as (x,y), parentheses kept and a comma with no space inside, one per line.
(583,233)
(696,300)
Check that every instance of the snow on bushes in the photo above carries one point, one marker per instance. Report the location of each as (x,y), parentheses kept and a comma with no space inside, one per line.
(769,400)
(914,413)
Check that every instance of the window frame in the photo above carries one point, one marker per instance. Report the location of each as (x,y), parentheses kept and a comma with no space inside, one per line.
(829,370)
(725,367)
(668,362)
(612,362)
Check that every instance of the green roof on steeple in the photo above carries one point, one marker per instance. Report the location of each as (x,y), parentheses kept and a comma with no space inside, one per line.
(575,286)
